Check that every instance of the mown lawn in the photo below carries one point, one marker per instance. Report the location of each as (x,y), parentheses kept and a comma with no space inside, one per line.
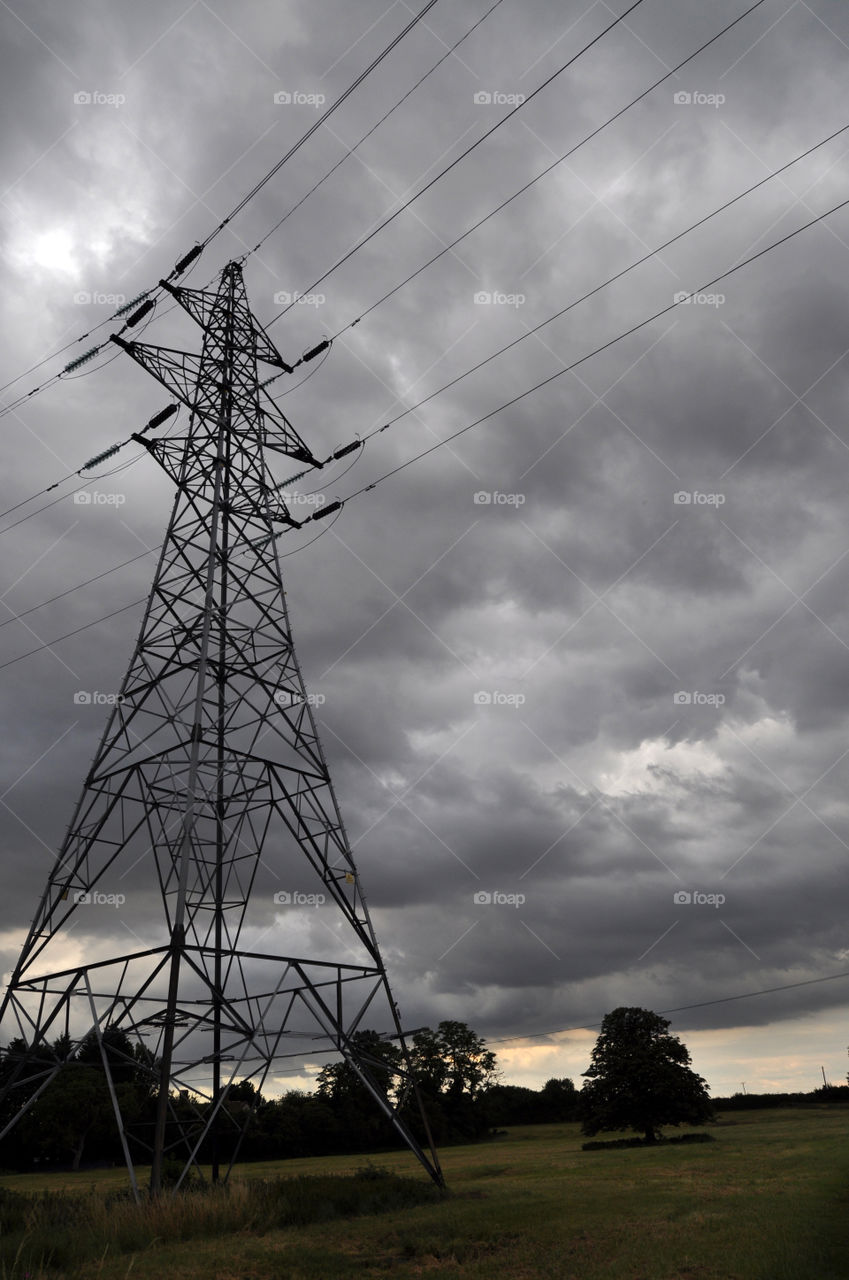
(767,1200)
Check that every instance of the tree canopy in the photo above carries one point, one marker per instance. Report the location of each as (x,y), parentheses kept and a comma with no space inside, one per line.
(640,1078)
(453,1060)
(454,1075)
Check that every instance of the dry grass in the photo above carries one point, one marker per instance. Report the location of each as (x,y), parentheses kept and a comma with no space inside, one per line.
(765,1201)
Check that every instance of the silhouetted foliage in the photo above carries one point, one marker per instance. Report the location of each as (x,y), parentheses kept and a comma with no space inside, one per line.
(640,1078)
(73,1124)
(453,1069)
(73,1116)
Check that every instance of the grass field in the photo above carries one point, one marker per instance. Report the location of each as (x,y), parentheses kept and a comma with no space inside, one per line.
(767,1200)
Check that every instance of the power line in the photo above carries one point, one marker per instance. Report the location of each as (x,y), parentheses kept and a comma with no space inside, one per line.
(154,294)
(138,313)
(682,1008)
(195,252)
(157,420)
(319,123)
(48,644)
(17,403)
(575,363)
(485,417)
(391,218)
(47,505)
(46,360)
(79,586)
(596,289)
(619,274)
(496,354)
(463,155)
(498,208)
(542,174)
(350,151)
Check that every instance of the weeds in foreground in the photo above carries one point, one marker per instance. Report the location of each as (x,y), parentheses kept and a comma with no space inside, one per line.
(59,1232)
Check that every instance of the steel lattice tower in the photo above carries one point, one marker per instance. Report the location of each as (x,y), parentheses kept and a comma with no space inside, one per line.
(210,770)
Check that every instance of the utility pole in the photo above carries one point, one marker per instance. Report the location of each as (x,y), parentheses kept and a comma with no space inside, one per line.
(210,779)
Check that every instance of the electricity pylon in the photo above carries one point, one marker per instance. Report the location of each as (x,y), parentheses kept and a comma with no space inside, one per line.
(209,779)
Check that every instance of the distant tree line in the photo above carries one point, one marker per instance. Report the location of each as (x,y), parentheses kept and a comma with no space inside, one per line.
(759,1101)
(72,1123)
(639,1078)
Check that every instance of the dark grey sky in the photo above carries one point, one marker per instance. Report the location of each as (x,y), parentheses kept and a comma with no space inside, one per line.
(580,600)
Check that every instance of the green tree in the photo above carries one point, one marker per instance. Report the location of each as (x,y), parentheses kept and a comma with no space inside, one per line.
(245,1091)
(559,1100)
(74,1108)
(339,1083)
(509,1104)
(453,1061)
(123,1064)
(361,1124)
(453,1070)
(640,1078)
(74,1116)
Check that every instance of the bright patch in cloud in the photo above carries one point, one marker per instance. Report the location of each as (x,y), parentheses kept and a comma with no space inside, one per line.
(53,250)
(646,769)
